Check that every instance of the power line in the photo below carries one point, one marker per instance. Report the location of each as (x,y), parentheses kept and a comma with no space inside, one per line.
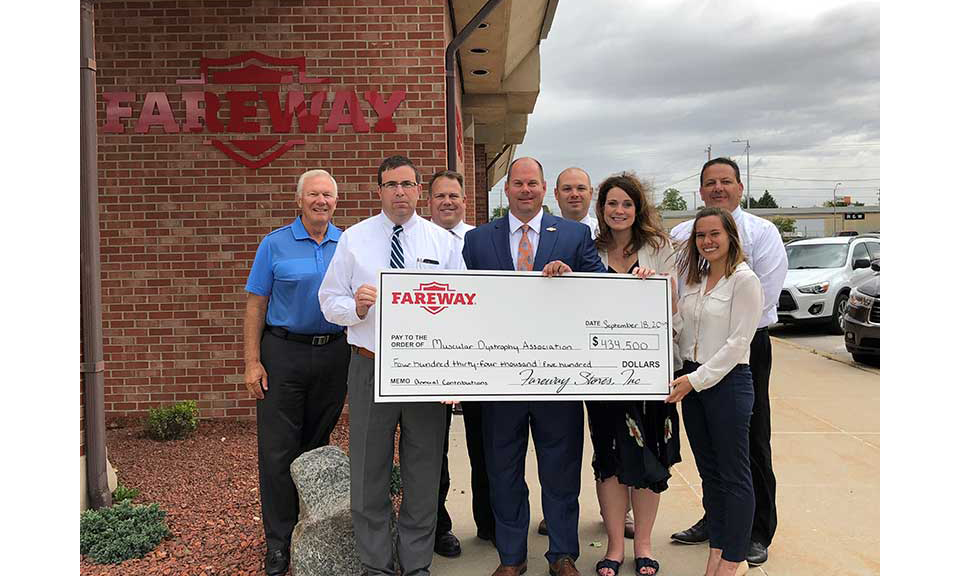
(682,180)
(863,191)
(817,179)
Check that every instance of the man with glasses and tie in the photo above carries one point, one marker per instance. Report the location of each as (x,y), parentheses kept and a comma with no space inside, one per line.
(395,238)
(529,239)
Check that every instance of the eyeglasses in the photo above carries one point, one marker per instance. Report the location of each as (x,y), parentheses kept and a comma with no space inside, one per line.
(394,186)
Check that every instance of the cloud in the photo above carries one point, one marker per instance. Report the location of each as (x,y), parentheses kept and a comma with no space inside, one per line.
(647,86)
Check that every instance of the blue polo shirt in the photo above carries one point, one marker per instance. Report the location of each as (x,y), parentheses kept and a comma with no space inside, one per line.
(288,268)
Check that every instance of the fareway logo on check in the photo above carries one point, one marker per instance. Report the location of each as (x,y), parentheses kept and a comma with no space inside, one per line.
(434,297)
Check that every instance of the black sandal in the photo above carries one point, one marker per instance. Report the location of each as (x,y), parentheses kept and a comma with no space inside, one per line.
(610,564)
(646,563)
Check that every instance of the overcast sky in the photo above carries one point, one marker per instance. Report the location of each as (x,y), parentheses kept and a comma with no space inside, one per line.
(647,85)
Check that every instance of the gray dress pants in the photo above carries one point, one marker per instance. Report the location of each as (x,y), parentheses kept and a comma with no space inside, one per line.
(372,432)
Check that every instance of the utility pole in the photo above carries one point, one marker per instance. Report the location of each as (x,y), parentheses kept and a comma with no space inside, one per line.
(835,207)
(747,140)
(708,150)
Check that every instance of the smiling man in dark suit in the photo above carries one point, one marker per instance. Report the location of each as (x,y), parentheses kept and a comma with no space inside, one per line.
(530,239)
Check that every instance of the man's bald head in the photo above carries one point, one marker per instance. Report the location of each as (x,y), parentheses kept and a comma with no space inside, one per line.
(573,193)
(525,188)
(526,159)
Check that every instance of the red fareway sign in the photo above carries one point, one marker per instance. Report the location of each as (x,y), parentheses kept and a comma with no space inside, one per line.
(434,297)
(201,107)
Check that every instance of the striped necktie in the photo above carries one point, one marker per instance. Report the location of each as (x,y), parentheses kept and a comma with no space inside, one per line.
(396,249)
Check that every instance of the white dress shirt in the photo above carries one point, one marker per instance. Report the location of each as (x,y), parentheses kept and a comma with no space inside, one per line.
(593,224)
(715,328)
(533,234)
(459,232)
(364,250)
(764,252)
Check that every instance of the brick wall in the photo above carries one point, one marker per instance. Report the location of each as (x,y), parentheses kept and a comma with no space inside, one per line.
(180,221)
(481,203)
(469,181)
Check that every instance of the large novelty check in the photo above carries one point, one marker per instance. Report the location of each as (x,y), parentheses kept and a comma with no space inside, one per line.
(490,335)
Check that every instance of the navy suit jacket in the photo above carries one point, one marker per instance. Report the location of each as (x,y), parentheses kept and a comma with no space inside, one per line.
(487,247)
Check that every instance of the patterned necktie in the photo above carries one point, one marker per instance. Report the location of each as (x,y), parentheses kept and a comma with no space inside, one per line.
(396,249)
(525,253)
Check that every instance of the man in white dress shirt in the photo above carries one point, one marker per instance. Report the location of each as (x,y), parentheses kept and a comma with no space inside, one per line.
(395,238)
(574,194)
(446,210)
(720,186)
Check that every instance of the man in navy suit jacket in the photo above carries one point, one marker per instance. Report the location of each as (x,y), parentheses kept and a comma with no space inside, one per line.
(559,246)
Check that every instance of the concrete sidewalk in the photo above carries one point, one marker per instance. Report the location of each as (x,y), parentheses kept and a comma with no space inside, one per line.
(826,449)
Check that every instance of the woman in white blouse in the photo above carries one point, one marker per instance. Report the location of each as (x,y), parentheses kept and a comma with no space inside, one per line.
(714,323)
(634,442)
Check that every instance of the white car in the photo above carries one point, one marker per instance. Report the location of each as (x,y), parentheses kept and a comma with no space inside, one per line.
(821,273)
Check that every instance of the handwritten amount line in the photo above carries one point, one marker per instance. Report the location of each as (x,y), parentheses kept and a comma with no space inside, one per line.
(495,351)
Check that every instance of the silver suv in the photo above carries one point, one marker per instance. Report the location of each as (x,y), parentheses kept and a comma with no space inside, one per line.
(821,273)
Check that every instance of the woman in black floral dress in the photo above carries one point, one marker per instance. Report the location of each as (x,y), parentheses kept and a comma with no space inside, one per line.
(634,442)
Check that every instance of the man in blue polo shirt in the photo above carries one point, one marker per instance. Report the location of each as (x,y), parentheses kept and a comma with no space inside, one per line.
(295,360)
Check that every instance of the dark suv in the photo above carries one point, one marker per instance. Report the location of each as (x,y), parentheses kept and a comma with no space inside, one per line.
(862,321)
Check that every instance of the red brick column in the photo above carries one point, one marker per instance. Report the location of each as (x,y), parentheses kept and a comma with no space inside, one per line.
(481,204)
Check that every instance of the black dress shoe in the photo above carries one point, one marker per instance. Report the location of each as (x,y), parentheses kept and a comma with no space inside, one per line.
(692,535)
(276,562)
(756,554)
(447,545)
(542,528)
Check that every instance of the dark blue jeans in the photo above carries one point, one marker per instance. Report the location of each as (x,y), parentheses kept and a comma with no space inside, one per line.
(717,421)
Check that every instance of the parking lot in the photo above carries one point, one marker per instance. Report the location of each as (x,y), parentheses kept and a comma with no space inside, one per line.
(815,338)
(825,418)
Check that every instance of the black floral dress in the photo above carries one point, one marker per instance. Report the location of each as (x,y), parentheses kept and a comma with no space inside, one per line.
(635,440)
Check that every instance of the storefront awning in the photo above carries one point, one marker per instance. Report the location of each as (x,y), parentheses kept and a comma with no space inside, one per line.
(500,68)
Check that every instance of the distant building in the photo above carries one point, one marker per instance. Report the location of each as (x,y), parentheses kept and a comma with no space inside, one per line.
(811,222)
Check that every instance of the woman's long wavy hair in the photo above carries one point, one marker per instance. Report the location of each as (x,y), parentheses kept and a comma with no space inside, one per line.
(647,227)
(695,273)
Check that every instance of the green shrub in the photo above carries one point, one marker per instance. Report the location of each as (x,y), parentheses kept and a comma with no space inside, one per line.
(123,493)
(172,422)
(120,532)
(396,483)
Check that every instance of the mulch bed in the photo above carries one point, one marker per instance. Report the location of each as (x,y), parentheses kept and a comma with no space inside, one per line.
(209,488)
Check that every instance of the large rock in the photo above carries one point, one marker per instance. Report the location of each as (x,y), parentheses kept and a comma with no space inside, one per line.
(322,542)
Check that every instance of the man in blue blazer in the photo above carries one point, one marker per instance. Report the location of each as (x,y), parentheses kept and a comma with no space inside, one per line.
(530,239)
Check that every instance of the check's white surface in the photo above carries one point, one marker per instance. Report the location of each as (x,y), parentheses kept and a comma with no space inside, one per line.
(492,335)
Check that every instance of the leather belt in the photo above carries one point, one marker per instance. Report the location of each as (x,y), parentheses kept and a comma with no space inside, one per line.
(312,339)
(363,352)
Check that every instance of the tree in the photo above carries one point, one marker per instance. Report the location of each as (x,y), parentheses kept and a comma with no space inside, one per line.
(672,200)
(840,204)
(784,225)
(765,201)
(499,212)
